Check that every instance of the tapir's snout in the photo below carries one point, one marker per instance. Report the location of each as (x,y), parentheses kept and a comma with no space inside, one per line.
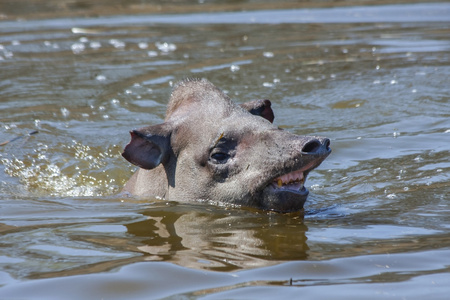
(318,146)
(286,191)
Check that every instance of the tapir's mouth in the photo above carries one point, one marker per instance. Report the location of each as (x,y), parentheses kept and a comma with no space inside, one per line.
(286,191)
(293,181)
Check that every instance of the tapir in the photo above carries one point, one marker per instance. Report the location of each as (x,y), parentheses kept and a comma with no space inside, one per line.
(211,149)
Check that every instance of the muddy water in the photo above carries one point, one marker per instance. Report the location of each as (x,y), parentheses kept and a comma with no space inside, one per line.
(374,79)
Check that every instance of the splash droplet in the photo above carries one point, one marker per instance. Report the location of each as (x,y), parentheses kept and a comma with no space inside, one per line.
(100,78)
(165,47)
(143,45)
(77,48)
(234,68)
(65,112)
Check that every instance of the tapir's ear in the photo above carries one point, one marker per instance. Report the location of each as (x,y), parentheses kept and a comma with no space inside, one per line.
(260,108)
(149,146)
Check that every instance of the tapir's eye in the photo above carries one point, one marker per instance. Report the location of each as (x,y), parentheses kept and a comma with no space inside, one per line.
(223,150)
(220,157)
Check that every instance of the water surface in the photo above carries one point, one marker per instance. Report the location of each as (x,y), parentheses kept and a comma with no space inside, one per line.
(373,78)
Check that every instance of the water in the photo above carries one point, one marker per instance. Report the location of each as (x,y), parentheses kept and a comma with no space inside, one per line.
(372,79)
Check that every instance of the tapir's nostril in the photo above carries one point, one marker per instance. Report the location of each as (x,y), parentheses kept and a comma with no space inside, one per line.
(311,146)
(326,142)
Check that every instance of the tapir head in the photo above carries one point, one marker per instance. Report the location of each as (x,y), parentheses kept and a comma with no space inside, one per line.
(209,148)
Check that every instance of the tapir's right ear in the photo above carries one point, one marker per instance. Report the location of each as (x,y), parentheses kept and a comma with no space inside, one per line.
(149,146)
(260,108)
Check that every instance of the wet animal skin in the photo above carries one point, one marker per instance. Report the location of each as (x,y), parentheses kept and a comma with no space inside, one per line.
(210,148)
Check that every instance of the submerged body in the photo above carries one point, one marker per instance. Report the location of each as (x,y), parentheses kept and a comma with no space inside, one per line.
(210,148)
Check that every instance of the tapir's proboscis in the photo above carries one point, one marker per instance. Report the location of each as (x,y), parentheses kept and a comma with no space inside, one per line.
(211,149)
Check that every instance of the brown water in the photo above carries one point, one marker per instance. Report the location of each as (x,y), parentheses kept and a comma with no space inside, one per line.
(371,76)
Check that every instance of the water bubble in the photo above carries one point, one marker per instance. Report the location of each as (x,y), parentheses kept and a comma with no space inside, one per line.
(345,50)
(376,81)
(393,81)
(276,80)
(50,44)
(391,196)
(152,53)
(268,54)
(234,68)
(143,45)
(100,77)
(268,84)
(95,45)
(310,78)
(7,54)
(65,112)
(15,43)
(83,39)
(117,43)
(414,91)
(165,47)
(77,48)
(115,102)
(315,187)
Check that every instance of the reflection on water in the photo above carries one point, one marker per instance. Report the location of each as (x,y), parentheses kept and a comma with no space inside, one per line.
(377,218)
(222,241)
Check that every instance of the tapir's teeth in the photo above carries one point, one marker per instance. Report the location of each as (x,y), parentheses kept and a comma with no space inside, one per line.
(293,177)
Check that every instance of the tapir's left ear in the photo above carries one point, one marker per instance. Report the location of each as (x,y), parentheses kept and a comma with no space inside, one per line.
(260,108)
(149,146)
